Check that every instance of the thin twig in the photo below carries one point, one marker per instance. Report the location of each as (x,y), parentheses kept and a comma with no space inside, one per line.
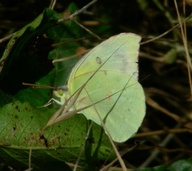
(184,38)
(89,31)
(77,12)
(7,37)
(52,4)
(165,33)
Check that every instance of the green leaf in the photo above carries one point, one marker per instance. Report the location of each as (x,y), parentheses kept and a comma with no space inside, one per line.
(21,131)
(20,61)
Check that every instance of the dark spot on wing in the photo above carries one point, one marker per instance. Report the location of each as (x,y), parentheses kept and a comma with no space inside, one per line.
(98,60)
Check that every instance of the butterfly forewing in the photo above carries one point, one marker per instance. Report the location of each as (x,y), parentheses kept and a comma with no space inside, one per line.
(118,53)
